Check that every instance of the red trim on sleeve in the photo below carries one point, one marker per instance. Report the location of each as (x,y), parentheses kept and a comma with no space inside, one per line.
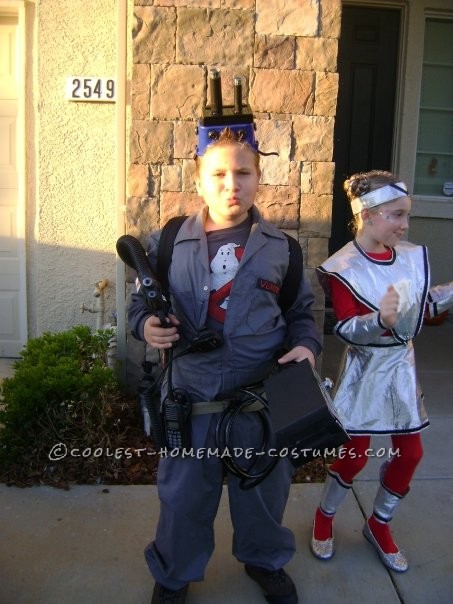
(345,305)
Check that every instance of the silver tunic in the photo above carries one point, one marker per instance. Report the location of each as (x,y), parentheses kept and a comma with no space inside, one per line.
(377,391)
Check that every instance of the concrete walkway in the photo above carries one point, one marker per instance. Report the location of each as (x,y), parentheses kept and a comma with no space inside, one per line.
(84,546)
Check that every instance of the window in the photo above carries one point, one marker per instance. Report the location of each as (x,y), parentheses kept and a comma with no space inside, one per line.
(434,164)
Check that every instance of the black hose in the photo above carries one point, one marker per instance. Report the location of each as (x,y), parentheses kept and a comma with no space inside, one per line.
(131,252)
(224,443)
(147,391)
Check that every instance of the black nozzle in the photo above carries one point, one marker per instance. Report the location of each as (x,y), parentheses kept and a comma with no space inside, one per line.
(132,253)
(215,88)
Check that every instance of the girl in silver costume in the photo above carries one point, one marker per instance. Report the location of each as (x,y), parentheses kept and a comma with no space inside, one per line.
(379,286)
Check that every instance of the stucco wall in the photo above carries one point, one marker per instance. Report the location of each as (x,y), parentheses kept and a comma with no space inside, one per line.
(71,211)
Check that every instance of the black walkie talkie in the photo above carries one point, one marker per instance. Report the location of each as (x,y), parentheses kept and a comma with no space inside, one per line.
(175,415)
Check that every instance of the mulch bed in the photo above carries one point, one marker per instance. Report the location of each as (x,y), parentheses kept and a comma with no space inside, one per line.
(130,458)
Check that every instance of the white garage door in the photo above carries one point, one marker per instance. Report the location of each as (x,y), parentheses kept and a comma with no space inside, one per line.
(12,245)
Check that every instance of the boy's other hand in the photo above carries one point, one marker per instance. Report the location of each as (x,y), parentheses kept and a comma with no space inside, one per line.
(297,354)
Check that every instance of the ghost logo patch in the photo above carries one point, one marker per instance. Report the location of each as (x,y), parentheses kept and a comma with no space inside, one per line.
(224,267)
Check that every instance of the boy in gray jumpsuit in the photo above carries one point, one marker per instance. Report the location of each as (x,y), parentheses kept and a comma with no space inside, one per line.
(227,268)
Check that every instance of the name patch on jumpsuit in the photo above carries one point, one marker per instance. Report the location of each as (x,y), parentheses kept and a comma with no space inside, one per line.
(268,286)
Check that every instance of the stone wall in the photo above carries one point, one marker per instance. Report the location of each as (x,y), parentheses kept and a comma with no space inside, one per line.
(286,52)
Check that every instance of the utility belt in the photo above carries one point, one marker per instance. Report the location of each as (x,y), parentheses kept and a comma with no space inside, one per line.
(294,413)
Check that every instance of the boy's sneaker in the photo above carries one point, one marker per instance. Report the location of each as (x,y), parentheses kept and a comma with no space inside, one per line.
(277,586)
(162,595)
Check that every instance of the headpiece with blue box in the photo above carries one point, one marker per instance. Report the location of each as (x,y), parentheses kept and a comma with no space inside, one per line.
(216,116)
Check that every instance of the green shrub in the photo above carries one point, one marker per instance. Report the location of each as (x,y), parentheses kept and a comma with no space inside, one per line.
(62,392)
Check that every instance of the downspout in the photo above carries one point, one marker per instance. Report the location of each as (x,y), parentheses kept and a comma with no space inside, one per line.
(121,80)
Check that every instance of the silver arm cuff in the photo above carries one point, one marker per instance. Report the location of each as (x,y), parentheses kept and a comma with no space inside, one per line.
(361,330)
(440,298)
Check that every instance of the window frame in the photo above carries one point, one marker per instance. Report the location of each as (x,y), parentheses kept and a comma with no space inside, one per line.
(414,20)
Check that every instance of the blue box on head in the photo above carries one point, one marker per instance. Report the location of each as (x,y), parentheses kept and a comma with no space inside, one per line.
(216,117)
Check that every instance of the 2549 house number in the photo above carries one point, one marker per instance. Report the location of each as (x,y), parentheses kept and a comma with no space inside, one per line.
(80,88)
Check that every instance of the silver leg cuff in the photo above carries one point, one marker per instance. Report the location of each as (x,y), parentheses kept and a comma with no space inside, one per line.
(335,490)
(385,504)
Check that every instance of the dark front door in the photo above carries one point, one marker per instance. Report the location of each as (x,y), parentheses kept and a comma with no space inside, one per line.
(367,65)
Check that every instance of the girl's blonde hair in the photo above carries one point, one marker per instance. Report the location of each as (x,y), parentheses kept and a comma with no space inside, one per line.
(363,182)
(226,138)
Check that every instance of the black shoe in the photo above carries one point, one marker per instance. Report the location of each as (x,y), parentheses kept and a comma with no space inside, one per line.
(162,595)
(277,586)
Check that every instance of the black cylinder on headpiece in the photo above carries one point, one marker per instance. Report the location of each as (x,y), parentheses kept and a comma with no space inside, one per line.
(216,91)
(237,94)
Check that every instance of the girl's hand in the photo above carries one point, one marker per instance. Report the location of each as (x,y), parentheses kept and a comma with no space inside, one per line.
(158,336)
(297,354)
(388,307)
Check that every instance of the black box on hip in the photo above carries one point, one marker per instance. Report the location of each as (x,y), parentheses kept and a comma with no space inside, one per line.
(302,414)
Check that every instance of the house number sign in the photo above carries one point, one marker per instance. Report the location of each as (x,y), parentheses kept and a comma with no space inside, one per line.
(82,88)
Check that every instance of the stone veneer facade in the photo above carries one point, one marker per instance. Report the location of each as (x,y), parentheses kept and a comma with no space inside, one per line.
(286,53)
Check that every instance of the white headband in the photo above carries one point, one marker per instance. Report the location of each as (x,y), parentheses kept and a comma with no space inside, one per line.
(375,198)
